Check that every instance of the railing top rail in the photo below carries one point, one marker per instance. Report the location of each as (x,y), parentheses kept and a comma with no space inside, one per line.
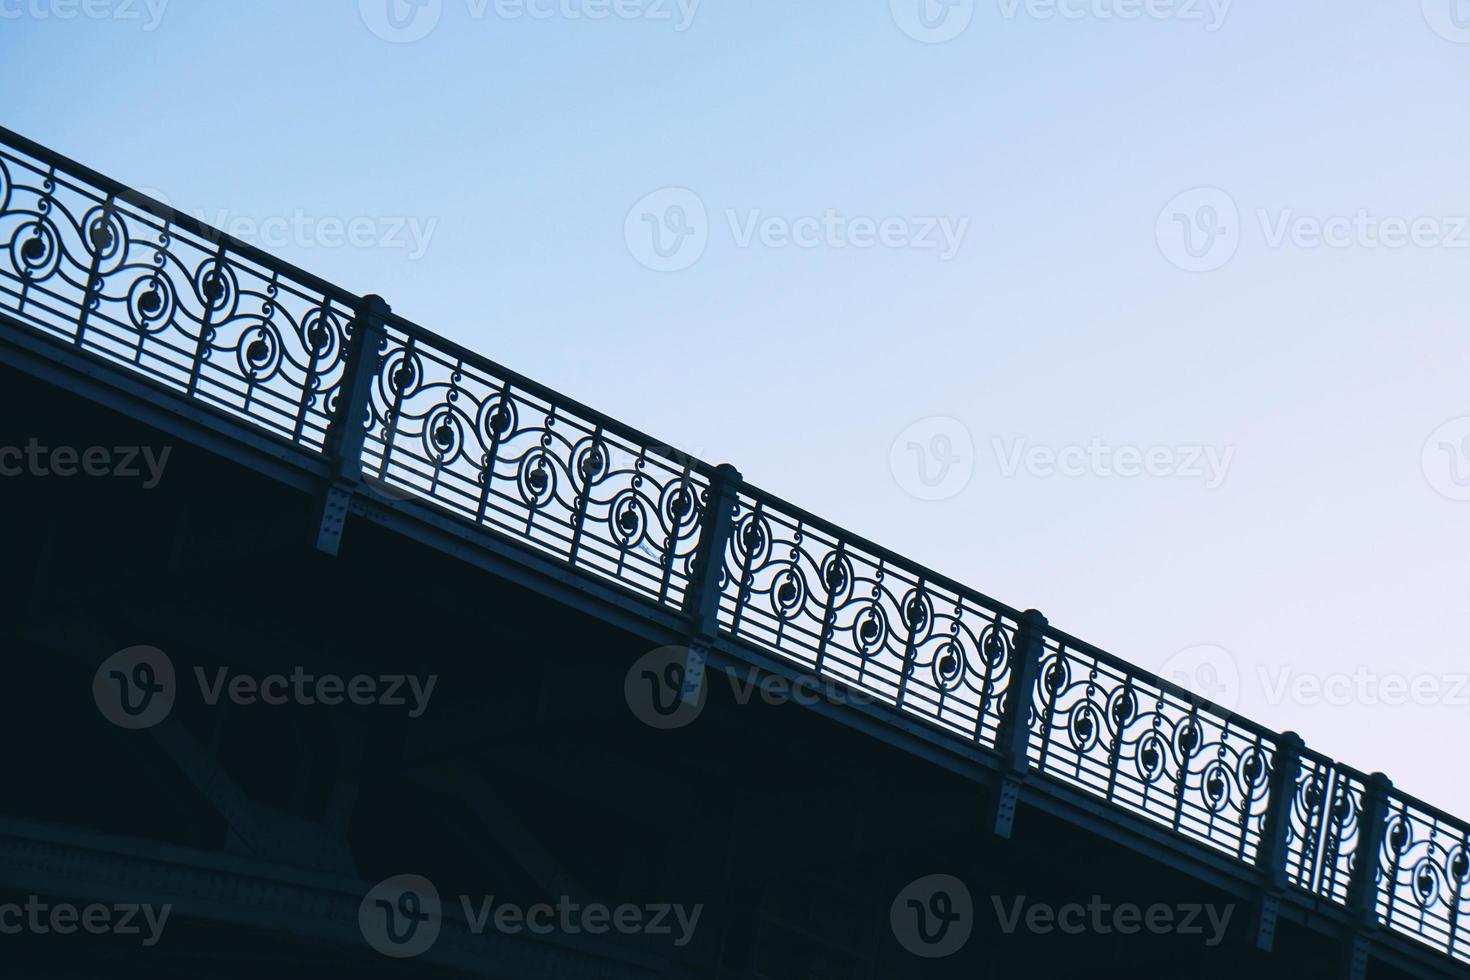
(519,381)
(174,216)
(888,556)
(1321,759)
(1397,795)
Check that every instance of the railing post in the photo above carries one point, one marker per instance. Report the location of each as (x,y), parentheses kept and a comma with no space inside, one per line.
(347,431)
(702,598)
(1013,735)
(1362,895)
(1273,854)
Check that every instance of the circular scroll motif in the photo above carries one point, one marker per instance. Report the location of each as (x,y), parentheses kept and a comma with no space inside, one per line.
(151,303)
(788,593)
(36,249)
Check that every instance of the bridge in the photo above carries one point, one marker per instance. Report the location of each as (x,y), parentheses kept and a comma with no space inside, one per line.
(595,672)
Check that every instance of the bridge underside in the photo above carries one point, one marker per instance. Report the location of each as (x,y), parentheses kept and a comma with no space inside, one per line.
(527,777)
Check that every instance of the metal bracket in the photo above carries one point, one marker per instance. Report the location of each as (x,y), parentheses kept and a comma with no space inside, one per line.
(1005,806)
(1266,914)
(332,517)
(1355,963)
(694,666)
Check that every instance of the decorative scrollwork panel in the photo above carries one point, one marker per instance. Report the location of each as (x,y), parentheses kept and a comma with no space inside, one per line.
(1141,745)
(170,302)
(508,455)
(806,591)
(1424,884)
(1324,828)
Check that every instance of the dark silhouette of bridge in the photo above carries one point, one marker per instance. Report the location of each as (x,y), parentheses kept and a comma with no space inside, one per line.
(558,620)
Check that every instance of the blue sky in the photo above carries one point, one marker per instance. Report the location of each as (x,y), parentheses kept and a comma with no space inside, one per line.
(982,399)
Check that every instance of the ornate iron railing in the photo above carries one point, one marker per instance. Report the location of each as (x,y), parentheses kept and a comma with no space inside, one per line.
(516,457)
(1424,888)
(802,588)
(125,279)
(128,280)
(1151,747)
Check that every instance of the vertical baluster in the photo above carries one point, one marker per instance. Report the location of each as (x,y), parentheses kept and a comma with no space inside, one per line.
(499,419)
(1459,896)
(909,654)
(584,481)
(93,291)
(1127,698)
(686,490)
(987,686)
(750,529)
(834,569)
(206,323)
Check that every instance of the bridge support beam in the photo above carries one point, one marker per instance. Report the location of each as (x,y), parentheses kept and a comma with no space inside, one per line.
(1014,737)
(253,829)
(348,429)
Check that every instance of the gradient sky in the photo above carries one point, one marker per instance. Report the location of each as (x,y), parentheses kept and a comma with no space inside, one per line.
(521,146)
